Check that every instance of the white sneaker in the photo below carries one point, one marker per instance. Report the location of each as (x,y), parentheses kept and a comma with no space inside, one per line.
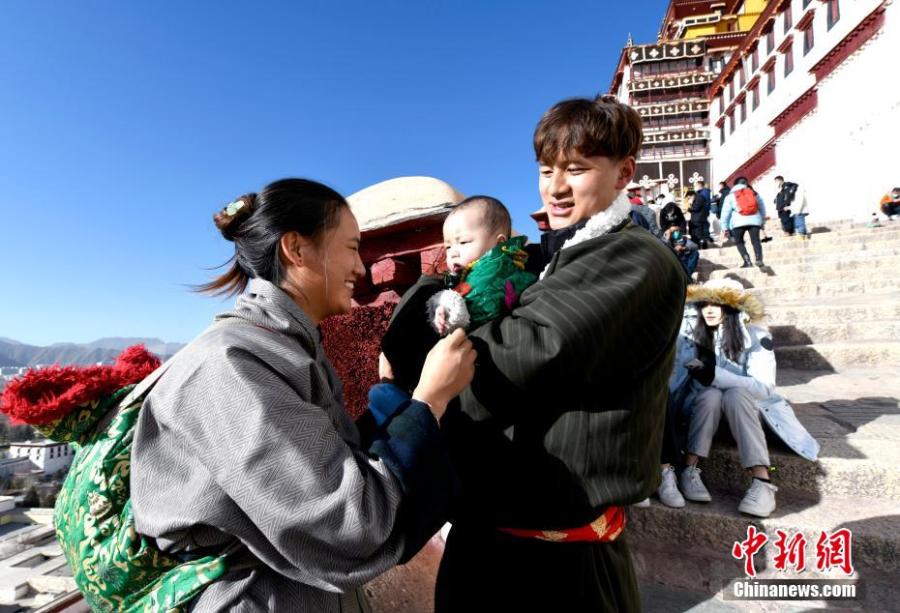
(668,489)
(642,504)
(692,485)
(759,499)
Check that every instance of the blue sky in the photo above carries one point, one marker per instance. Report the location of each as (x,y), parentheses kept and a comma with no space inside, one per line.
(124,125)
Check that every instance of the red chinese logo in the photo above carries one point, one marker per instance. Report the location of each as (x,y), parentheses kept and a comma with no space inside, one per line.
(747,549)
(834,551)
(791,551)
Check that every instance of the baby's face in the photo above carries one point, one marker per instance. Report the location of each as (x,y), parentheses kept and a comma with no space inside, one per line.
(466,238)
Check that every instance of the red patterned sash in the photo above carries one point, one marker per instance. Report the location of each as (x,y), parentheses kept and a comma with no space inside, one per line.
(605,528)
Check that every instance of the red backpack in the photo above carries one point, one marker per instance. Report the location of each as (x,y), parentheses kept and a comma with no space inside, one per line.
(745,201)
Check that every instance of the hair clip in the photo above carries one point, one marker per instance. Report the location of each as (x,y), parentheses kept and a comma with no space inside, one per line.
(234,207)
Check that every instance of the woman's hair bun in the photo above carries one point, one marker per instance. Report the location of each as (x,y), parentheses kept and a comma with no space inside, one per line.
(230,219)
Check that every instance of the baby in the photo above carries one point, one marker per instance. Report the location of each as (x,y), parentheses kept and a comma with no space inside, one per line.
(486,266)
(486,274)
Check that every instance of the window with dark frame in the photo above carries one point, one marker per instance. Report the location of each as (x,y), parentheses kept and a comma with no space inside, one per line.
(743,110)
(731,122)
(721,102)
(788,19)
(789,60)
(731,89)
(770,79)
(754,97)
(742,74)
(833,13)
(754,59)
(722,133)
(770,39)
(808,39)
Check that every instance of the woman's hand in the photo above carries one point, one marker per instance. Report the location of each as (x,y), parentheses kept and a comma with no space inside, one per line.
(449,368)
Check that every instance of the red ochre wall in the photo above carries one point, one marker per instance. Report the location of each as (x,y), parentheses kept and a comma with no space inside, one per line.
(352,343)
(394,259)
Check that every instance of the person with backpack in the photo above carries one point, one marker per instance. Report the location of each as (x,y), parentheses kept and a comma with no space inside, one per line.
(792,207)
(232,477)
(744,212)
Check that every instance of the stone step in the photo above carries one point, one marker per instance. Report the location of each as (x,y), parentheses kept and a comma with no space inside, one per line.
(888,264)
(732,258)
(691,548)
(768,277)
(855,417)
(835,356)
(811,333)
(812,290)
(774,251)
(802,315)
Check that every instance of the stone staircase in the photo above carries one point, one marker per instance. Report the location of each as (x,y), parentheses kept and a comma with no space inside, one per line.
(833,306)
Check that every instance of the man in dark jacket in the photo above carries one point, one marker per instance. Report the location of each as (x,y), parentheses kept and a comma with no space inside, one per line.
(715,204)
(699,226)
(783,200)
(562,426)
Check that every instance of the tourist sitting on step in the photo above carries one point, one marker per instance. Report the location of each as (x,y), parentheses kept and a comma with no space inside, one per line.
(672,215)
(684,248)
(744,211)
(890,204)
(724,365)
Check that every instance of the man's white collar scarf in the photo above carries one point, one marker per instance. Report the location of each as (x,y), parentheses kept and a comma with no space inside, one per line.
(600,223)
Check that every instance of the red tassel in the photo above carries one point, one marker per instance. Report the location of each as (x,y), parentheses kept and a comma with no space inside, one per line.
(45,395)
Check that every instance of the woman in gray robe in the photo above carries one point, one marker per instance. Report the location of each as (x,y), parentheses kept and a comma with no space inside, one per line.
(244,445)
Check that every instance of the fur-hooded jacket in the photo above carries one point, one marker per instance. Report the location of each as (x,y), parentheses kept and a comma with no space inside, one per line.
(753,371)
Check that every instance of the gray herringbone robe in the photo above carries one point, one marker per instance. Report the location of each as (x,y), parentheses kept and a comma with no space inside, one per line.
(245,437)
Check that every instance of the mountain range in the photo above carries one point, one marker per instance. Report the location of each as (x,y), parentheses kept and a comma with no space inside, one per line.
(14,353)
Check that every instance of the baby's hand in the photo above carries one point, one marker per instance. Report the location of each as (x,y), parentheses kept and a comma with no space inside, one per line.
(440,321)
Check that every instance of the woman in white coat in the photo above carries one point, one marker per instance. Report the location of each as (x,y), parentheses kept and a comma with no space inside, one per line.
(729,367)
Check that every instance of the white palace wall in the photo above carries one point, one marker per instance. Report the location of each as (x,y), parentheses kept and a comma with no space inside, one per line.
(847,151)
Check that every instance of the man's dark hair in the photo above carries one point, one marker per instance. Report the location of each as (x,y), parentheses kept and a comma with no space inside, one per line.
(494,214)
(779,178)
(741,181)
(602,126)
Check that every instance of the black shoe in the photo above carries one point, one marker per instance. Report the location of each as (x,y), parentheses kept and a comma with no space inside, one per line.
(759,263)
(747,264)
(704,245)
